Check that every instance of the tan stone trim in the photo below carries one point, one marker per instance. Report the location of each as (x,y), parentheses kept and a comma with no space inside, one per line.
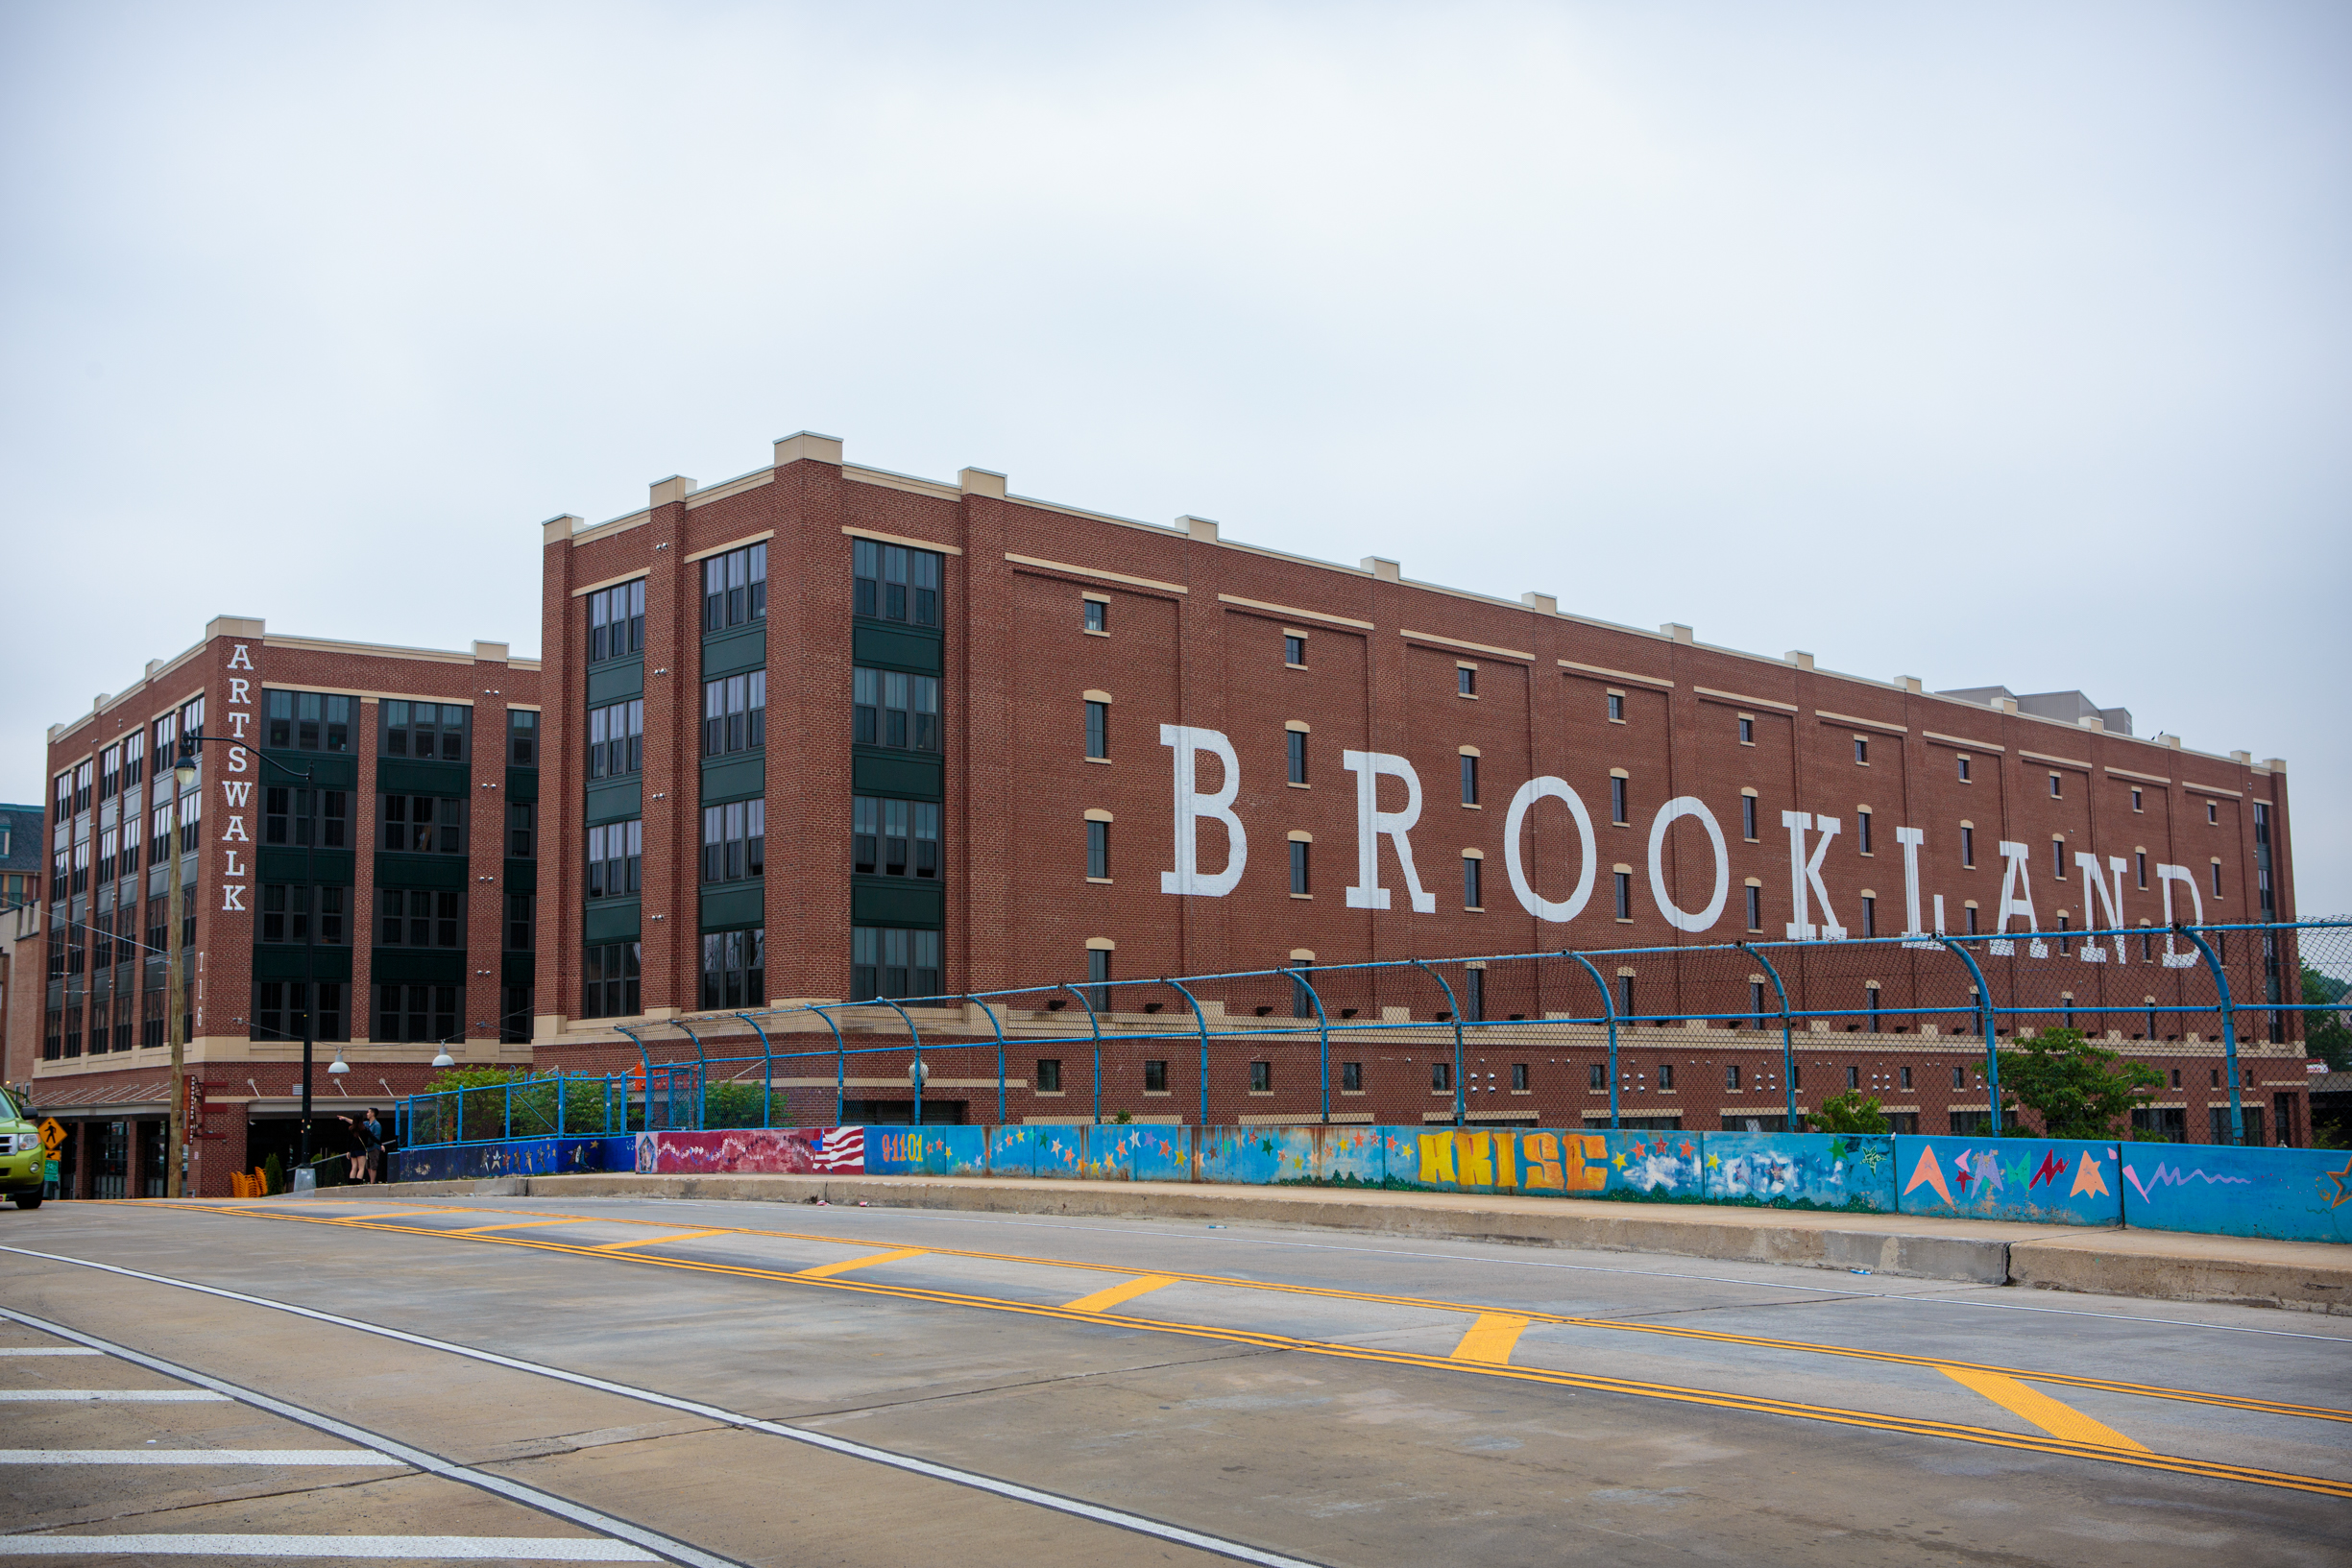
(2143,777)
(1473,647)
(908,482)
(730,487)
(1621,675)
(609,582)
(365,694)
(902,539)
(1736,699)
(760,538)
(2212,790)
(1099,575)
(2062,761)
(379,650)
(1293,610)
(1827,716)
(1959,740)
(615,525)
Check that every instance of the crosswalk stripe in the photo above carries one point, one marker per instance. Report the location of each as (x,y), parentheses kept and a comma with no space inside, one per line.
(198,1455)
(1102,1301)
(472,1548)
(47,1350)
(2038,1408)
(655,1240)
(1491,1339)
(826,1271)
(128,1396)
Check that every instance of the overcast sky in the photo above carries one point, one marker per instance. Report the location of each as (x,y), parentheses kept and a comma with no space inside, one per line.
(1991,344)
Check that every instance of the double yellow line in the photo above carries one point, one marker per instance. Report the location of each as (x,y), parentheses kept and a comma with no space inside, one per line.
(1479,1364)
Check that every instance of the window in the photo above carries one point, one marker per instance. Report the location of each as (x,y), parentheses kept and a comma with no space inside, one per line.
(1295,650)
(1302,883)
(1861,832)
(308,818)
(1097,614)
(735,713)
(893,961)
(1155,1077)
(894,837)
(895,582)
(1519,1078)
(1968,846)
(416,917)
(1296,741)
(515,1019)
(1302,996)
(1870,915)
(1747,732)
(1596,1076)
(521,737)
(610,981)
(1465,681)
(521,830)
(1959,1077)
(890,708)
(2213,811)
(2057,859)
(1098,729)
(1049,1075)
(616,622)
(1905,1075)
(1474,996)
(134,759)
(1261,1077)
(1470,781)
(1756,909)
(616,855)
(1665,1077)
(1731,1078)
(110,772)
(285,913)
(734,588)
(1971,918)
(734,841)
(1747,817)
(1756,1002)
(1617,800)
(2135,800)
(1617,708)
(1625,895)
(617,737)
(1098,850)
(1861,750)
(2216,878)
(1473,894)
(110,845)
(1098,979)
(1624,996)
(522,922)
(425,730)
(733,969)
(1854,1078)
(1352,1078)
(423,824)
(2058,786)
(1870,996)
(2139,862)
(282,1010)
(1964,769)
(308,721)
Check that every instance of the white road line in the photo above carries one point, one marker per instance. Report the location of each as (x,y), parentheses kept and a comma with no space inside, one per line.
(440,1547)
(664,1547)
(133,1396)
(1114,1517)
(48,1350)
(197,1455)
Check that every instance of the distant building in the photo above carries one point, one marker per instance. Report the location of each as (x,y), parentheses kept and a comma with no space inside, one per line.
(20,924)
(2066,707)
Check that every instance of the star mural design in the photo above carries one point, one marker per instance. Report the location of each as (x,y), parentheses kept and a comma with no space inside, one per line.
(2343,1185)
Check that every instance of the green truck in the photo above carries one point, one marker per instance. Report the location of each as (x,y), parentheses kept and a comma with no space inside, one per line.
(24,1164)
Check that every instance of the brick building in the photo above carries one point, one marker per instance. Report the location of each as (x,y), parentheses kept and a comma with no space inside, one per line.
(360,855)
(1007,741)
(20,947)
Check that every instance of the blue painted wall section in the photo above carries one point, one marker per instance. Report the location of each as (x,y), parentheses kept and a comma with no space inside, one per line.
(2286,1194)
(2044,1181)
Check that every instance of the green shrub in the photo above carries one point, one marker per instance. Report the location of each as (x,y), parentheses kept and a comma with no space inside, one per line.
(1849,1113)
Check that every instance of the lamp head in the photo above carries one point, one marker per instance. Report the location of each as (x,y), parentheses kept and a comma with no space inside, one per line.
(184,771)
(338,1067)
(443,1058)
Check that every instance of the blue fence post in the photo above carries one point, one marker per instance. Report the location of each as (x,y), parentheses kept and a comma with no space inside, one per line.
(2229,1031)
(768,1071)
(1323,1033)
(702,1076)
(1789,1046)
(916,1073)
(1201,1022)
(999,1030)
(1608,1011)
(1094,1022)
(1454,1009)
(1984,1012)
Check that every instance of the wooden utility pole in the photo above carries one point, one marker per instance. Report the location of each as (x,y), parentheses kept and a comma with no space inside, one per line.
(174,1021)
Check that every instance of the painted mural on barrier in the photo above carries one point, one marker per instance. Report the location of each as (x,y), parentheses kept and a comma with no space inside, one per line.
(754,1151)
(2286,1194)
(1849,1172)
(2049,1181)
(1060,1151)
(1652,1167)
(516,1157)
(1012,1152)
(927,1151)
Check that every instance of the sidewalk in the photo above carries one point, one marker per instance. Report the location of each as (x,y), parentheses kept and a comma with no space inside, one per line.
(2308,1276)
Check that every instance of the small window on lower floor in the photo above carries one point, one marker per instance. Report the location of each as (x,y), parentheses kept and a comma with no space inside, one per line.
(1665,1077)
(1731,1076)
(1351,1076)
(1518,1076)
(1261,1077)
(1049,1075)
(1596,1075)
(1440,1076)
(1155,1074)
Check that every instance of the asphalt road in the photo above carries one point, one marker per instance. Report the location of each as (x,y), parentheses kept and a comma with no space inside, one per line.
(627,1380)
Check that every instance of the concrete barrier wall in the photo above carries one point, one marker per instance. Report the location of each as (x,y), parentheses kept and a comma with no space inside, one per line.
(2290,1194)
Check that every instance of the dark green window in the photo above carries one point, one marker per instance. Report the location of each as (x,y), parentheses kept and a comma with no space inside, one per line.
(425,730)
(895,582)
(617,621)
(309,721)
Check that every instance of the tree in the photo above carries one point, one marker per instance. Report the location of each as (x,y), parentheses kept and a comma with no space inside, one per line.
(2075,1088)
(1849,1113)
(2324,1034)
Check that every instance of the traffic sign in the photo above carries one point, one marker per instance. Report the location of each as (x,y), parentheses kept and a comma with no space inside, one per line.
(53,1135)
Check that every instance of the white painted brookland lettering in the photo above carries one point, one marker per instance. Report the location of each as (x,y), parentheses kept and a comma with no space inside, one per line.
(1808,892)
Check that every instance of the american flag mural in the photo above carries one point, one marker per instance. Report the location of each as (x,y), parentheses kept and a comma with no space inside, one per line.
(841,1149)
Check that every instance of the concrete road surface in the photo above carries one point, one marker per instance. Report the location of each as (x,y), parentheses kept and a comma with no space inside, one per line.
(627,1380)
